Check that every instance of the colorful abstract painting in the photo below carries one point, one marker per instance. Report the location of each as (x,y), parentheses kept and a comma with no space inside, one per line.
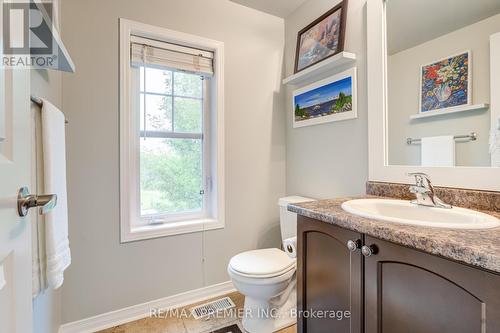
(328,100)
(445,83)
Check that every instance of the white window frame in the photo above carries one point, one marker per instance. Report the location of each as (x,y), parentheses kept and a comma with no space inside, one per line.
(129,149)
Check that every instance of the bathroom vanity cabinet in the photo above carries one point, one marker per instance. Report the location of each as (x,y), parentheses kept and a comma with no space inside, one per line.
(329,279)
(388,288)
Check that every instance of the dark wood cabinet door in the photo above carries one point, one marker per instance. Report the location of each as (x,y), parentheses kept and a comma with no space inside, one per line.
(329,279)
(414,292)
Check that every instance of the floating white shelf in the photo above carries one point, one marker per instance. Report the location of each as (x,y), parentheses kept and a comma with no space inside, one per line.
(451,110)
(310,74)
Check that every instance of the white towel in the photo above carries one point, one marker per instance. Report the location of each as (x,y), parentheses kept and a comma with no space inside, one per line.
(438,151)
(58,256)
(39,280)
(38,227)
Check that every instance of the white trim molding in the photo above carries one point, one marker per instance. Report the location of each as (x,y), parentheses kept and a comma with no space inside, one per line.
(139,311)
(484,178)
(495,98)
(215,219)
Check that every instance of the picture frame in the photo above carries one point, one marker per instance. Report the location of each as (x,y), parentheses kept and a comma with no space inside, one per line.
(446,84)
(321,39)
(328,100)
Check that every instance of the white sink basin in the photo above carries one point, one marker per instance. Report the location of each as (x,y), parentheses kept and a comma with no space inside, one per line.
(400,211)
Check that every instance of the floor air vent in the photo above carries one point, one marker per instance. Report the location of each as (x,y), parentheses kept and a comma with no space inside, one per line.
(211,308)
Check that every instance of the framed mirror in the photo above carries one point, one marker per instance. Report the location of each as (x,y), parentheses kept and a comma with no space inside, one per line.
(434,91)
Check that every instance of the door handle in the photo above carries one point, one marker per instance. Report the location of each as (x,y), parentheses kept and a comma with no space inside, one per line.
(25,201)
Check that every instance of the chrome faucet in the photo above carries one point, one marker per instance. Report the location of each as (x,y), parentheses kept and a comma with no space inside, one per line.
(424,191)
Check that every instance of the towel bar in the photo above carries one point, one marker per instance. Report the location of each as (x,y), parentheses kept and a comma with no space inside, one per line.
(470,137)
(39,102)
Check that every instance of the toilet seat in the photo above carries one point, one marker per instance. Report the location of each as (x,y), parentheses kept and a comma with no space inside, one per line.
(262,264)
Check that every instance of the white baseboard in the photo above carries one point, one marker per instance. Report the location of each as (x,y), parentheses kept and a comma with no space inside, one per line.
(139,311)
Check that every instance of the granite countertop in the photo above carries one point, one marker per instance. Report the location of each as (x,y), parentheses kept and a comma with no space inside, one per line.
(479,248)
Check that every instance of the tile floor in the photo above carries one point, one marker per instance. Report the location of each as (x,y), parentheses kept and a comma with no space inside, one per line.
(186,324)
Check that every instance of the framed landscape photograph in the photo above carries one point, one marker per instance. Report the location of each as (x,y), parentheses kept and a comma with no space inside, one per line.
(322,38)
(446,83)
(331,99)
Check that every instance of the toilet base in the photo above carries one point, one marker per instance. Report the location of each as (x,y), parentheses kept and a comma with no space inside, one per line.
(261,317)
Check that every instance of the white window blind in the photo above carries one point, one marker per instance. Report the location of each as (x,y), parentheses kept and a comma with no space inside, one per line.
(149,52)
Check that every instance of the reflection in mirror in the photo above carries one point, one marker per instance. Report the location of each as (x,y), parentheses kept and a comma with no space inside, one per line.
(438,80)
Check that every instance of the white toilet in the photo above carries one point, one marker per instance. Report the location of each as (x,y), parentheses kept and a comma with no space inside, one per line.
(267,279)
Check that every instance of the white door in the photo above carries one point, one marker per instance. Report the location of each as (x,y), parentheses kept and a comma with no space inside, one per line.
(15,232)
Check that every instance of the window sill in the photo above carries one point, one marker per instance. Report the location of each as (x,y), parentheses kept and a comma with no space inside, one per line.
(169,229)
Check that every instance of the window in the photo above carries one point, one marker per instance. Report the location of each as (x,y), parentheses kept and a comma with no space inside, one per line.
(171,163)
(173,176)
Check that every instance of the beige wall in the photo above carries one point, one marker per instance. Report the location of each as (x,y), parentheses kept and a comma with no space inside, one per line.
(328,160)
(106,275)
(403,86)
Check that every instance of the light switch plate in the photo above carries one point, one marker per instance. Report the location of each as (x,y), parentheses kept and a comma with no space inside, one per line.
(2,277)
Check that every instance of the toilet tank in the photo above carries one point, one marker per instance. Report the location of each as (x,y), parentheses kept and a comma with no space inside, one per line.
(288,220)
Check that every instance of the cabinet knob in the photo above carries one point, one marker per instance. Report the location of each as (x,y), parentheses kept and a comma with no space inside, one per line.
(368,251)
(353,245)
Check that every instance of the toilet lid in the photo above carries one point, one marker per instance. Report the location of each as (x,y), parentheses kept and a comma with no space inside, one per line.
(262,262)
